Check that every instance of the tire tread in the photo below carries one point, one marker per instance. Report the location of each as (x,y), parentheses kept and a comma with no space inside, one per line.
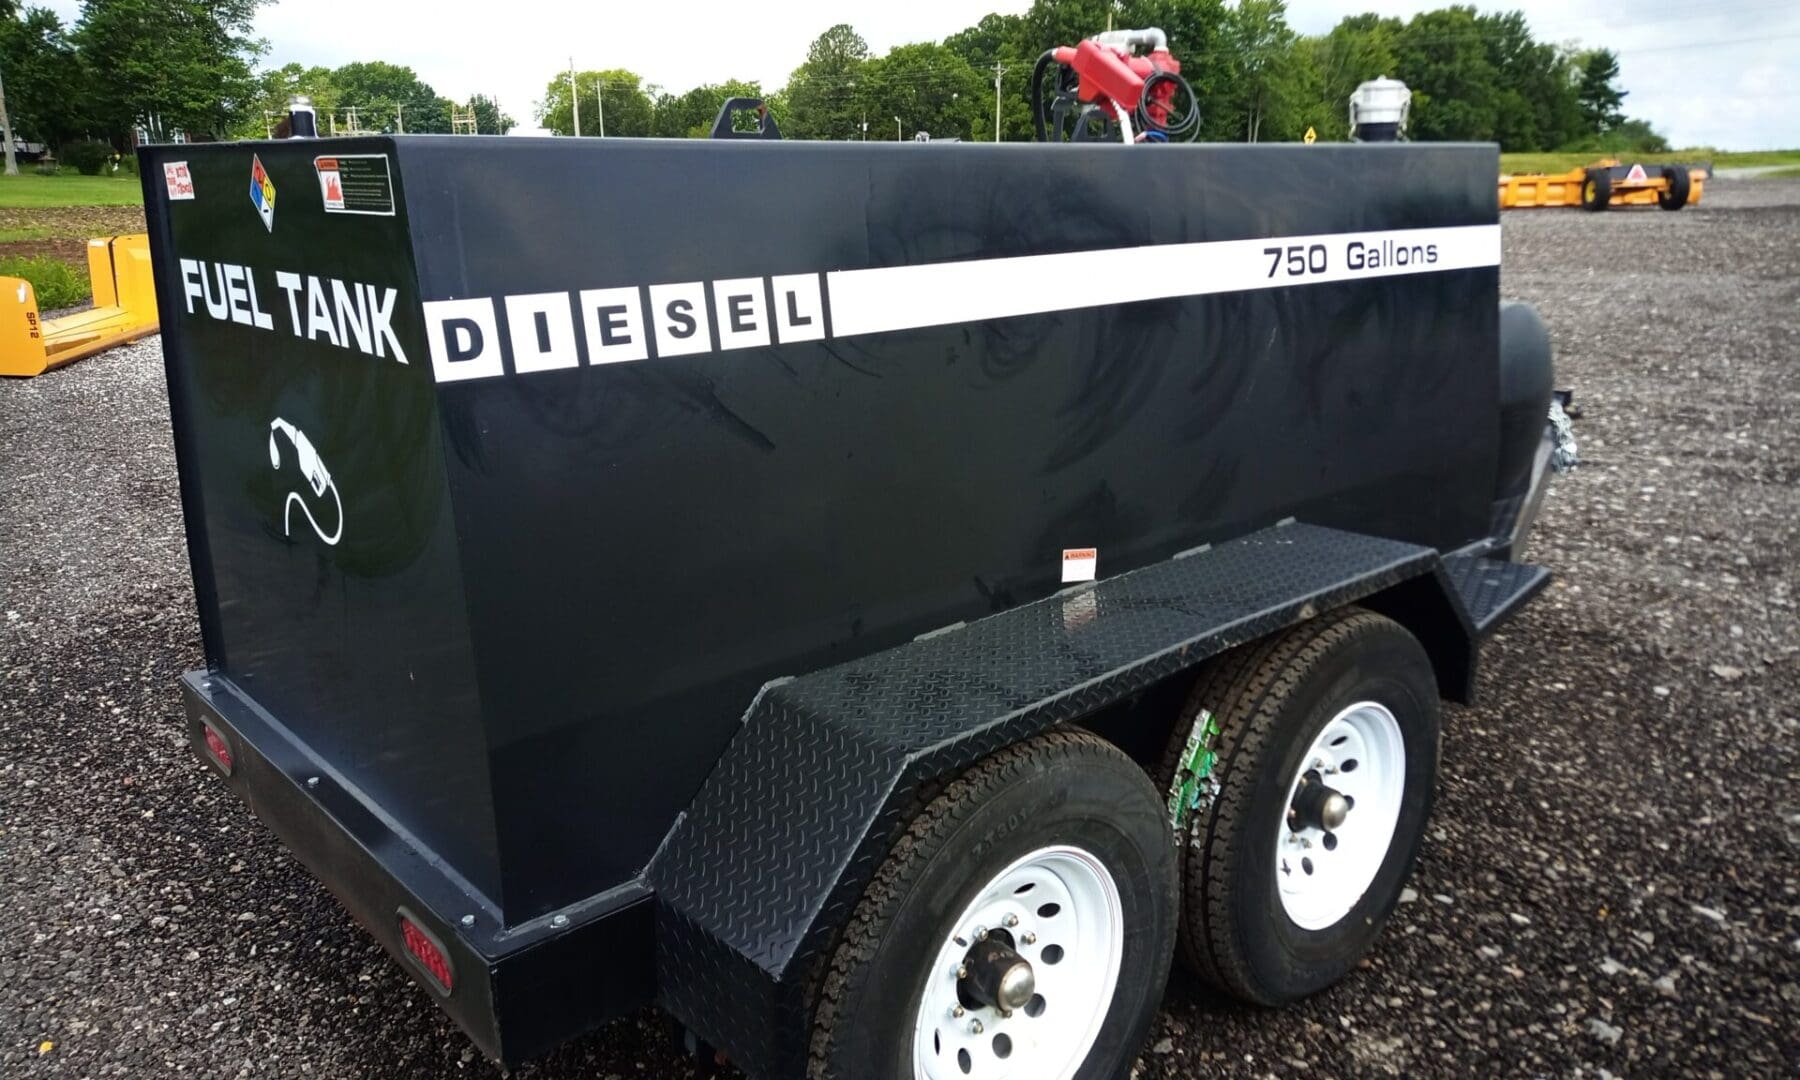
(862,933)
(1253,685)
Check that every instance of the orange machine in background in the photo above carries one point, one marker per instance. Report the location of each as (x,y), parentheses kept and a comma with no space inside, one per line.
(1605,184)
(124,310)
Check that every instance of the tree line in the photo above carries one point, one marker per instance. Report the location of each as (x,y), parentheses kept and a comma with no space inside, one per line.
(165,68)
(1474,77)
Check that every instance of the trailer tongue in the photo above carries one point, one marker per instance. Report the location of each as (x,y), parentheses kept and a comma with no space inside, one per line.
(695,572)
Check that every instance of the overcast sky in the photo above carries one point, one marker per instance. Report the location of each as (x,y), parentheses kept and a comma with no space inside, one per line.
(1724,73)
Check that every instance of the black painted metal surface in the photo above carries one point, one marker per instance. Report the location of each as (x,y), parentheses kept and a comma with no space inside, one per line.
(647,543)
(812,791)
(1492,590)
(517,991)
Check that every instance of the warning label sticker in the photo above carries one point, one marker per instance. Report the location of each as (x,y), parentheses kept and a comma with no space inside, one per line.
(1636,175)
(356,184)
(180,181)
(1079,564)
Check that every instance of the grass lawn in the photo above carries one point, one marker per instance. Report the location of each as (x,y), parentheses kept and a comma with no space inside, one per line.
(1561,163)
(29,189)
(25,232)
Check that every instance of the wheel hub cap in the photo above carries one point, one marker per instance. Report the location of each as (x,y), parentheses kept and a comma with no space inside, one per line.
(1343,806)
(1023,982)
(1318,806)
(998,977)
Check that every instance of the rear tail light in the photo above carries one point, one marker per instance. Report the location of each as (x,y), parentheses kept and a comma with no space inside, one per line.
(427,952)
(218,748)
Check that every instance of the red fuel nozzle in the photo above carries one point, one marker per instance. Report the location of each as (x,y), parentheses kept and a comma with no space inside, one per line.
(1106,71)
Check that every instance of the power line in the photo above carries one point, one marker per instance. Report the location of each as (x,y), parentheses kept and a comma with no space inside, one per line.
(1707,44)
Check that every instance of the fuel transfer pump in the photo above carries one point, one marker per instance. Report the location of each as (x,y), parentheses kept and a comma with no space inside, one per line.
(1122,84)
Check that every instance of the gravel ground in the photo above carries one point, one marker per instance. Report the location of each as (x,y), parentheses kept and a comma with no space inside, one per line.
(1608,887)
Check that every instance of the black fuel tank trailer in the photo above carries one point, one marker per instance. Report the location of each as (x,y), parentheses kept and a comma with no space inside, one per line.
(852,596)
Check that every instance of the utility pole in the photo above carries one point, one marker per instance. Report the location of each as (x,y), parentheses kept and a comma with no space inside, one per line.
(575,97)
(399,118)
(998,71)
(12,159)
(600,96)
(897,129)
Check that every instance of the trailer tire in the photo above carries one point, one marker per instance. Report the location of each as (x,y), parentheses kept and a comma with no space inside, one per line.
(982,848)
(1596,190)
(1274,703)
(1680,184)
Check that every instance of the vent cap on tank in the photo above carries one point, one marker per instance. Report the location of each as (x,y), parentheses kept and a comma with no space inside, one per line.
(1378,110)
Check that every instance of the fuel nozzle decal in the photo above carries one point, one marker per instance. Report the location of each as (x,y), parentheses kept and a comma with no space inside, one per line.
(317,477)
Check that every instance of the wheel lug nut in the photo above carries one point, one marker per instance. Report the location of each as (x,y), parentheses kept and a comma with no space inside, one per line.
(981,933)
(1029,939)
(962,971)
(957,1011)
(1012,920)
(975,1027)
(1006,1014)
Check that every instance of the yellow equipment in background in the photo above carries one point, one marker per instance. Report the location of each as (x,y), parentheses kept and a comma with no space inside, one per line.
(124,310)
(1606,183)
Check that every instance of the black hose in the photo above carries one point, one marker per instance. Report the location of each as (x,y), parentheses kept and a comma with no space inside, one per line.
(1037,93)
(1184,126)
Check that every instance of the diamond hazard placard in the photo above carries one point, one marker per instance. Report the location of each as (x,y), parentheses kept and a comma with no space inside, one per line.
(262,192)
(355,184)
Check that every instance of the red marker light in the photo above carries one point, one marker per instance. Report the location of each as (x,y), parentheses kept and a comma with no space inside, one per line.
(218,748)
(423,946)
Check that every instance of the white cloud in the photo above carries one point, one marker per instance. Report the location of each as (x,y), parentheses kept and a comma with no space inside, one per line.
(1724,73)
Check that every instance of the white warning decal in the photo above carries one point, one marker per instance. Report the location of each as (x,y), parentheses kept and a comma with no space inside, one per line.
(355,184)
(1079,564)
(1637,174)
(179,180)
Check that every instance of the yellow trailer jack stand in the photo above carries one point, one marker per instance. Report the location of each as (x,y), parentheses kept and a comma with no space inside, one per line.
(124,310)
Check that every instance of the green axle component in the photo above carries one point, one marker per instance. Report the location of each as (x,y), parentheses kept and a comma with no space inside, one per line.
(1190,787)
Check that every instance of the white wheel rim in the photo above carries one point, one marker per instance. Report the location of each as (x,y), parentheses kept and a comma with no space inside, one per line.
(1061,908)
(1321,874)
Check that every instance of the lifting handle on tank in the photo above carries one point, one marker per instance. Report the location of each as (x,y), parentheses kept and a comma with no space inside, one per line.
(725,124)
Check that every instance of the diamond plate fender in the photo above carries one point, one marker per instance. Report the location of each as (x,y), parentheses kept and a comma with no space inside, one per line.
(768,861)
